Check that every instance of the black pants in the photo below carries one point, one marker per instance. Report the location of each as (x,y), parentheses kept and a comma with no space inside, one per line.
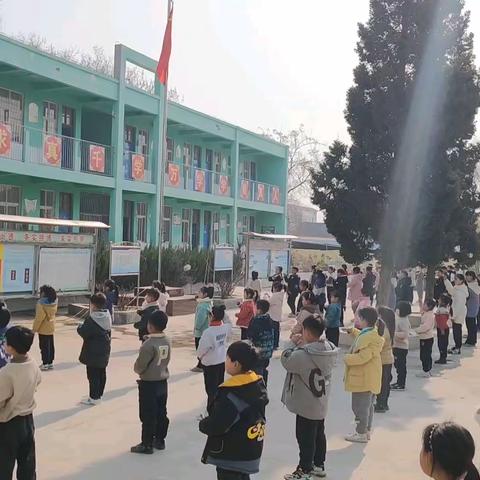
(230,475)
(17,445)
(400,355)
(426,354)
(243,334)
(383,396)
(276,334)
(97,378)
(261,368)
(213,376)
(152,401)
(442,340)
(312,443)
(457,335)
(333,335)
(472,330)
(291,300)
(197,342)
(329,293)
(47,348)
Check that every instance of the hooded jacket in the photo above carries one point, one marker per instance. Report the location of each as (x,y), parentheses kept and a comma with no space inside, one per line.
(202,316)
(308,381)
(459,294)
(355,283)
(363,365)
(473,301)
(44,323)
(96,334)
(236,426)
(305,312)
(426,330)
(260,332)
(145,313)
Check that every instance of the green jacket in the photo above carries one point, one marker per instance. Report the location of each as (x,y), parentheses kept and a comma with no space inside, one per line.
(202,316)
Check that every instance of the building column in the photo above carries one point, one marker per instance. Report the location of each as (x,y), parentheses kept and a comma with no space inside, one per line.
(234,179)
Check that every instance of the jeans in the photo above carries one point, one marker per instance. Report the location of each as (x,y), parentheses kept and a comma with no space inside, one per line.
(333,335)
(213,376)
(382,397)
(276,334)
(312,443)
(291,300)
(457,335)
(400,355)
(261,368)
(362,406)
(230,475)
(472,330)
(152,401)
(97,378)
(426,354)
(17,445)
(442,339)
(47,348)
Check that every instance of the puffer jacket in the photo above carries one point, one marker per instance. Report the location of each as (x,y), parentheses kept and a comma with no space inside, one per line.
(44,323)
(355,283)
(97,335)
(459,294)
(473,301)
(246,313)
(202,316)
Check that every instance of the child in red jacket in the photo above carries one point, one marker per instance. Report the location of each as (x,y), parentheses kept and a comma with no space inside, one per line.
(442,322)
(247,311)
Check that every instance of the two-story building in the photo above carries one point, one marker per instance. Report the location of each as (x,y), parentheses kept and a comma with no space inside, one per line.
(76,144)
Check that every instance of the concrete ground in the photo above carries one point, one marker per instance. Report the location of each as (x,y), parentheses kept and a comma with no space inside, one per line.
(75,442)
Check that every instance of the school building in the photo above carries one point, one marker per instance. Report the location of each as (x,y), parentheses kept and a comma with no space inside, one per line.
(76,144)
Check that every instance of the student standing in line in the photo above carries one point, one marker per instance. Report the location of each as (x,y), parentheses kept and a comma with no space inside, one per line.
(439,285)
(363,373)
(149,306)
(459,294)
(293,288)
(110,289)
(333,315)
(163,297)
(330,283)
(212,350)
(276,311)
(341,287)
(401,343)
(152,367)
(304,287)
(363,302)
(473,304)
(442,322)
(96,332)
(306,392)
(247,312)
(202,319)
(309,308)
(44,325)
(4,326)
(426,334)
(369,282)
(255,284)
(19,380)
(355,285)
(277,277)
(386,329)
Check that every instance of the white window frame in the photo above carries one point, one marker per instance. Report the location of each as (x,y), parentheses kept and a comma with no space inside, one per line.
(215,231)
(167,225)
(47,203)
(50,126)
(186,221)
(142,214)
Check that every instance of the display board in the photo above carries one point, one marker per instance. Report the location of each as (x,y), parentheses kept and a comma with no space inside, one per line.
(65,269)
(259,261)
(124,261)
(278,258)
(16,268)
(223,259)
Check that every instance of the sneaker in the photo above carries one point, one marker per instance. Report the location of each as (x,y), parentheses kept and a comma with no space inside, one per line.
(50,367)
(141,448)
(298,474)
(469,344)
(454,351)
(357,438)
(159,444)
(380,409)
(369,435)
(396,387)
(89,401)
(319,471)
(44,368)
(424,375)
(197,370)
(441,361)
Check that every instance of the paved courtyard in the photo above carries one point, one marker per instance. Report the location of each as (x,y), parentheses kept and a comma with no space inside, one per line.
(75,442)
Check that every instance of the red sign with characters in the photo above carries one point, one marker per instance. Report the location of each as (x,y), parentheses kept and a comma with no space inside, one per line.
(97,159)
(199,181)
(138,167)
(275,195)
(224,185)
(5,139)
(245,190)
(260,192)
(173,174)
(52,150)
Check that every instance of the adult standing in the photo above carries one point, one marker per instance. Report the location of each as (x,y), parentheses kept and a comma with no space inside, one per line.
(341,287)
(331,277)
(319,286)
(355,282)
(439,286)
(459,294)
(420,285)
(277,277)
(293,288)
(369,283)
(473,304)
(404,290)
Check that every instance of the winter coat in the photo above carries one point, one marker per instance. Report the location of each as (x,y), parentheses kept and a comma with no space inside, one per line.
(202,316)
(276,305)
(333,315)
(426,330)
(459,294)
(255,285)
(439,288)
(236,426)
(163,301)
(355,287)
(145,314)
(442,318)
(260,332)
(96,332)
(153,358)
(4,357)
(297,329)
(473,301)
(308,381)
(387,350)
(362,303)
(404,290)
(246,313)
(402,332)
(44,323)
(293,284)
(369,283)
(112,299)
(363,365)
(341,286)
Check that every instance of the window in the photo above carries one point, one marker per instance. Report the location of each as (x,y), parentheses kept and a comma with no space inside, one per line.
(9,202)
(252,223)
(95,207)
(197,156)
(227,228)
(253,171)
(187,154)
(49,117)
(218,166)
(209,159)
(216,228)
(167,225)
(245,223)
(142,222)
(143,146)
(170,150)
(11,111)
(47,204)
(185,226)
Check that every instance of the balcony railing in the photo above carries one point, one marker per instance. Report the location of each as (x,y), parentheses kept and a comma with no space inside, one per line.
(261,192)
(30,145)
(136,167)
(195,179)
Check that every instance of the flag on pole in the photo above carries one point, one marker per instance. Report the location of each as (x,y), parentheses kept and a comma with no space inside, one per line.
(162,68)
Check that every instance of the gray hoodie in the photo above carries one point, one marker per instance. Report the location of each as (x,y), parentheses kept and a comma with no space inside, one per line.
(102,318)
(307,385)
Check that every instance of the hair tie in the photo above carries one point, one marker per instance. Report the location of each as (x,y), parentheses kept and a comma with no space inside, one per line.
(430,441)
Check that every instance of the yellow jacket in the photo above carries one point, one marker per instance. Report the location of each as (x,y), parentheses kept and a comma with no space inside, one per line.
(387,352)
(363,366)
(44,322)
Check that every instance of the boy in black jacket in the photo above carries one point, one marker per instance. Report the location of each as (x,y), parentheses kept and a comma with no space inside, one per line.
(149,306)
(95,354)
(236,425)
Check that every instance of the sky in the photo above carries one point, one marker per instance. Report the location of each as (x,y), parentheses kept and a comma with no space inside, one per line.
(260,64)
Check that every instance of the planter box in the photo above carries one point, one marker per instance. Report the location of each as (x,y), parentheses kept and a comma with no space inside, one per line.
(125,317)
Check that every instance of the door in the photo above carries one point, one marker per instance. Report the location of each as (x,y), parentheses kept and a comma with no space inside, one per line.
(128,220)
(207,228)
(195,228)
(128,147)
(65,210)
(68,132)
(187,167)
(209,167)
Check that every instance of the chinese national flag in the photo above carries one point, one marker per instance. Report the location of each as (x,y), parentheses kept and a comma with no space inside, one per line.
(162,68)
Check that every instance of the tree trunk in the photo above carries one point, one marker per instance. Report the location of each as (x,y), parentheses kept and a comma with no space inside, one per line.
(385,285)
(430,283)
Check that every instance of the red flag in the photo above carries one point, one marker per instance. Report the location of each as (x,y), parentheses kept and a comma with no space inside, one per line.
(162,68)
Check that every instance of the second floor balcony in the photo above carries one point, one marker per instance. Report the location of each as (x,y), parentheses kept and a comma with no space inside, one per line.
(137,167)
(261,192)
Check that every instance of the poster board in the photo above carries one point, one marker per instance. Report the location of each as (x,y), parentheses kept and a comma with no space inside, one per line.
(259,261)
(278,258)
(223,259)
(65,269)
(16,268)
(124,261)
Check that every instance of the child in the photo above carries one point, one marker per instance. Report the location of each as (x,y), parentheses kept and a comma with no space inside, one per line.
(309,308)
(447,452)
(276,307)
(111,293)
(386,329)
(304,287)
(260,333)
(333,316)
(442,322)
(255,284)
(426,333)
(363,301)
(212,350)
(95,354)
(293,287)
(363,373)
(473,304)
(247,312)
(163,297)
(44,325)
(149,306)
(202,318)
(459,294)
(4,325)
(236,426)
(152,366)
(305,393)
(18,381)
(401,344)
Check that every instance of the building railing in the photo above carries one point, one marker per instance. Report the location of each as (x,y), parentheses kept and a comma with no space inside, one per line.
(31,145)
(188,177)
(261,192)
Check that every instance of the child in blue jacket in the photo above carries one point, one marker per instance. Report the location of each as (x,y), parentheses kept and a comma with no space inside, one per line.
(333,318)
(203,313)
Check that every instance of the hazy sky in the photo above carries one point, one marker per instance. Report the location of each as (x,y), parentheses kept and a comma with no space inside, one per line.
(256,63)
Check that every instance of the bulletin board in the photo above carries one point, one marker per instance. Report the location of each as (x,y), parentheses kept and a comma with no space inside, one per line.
(16,268)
